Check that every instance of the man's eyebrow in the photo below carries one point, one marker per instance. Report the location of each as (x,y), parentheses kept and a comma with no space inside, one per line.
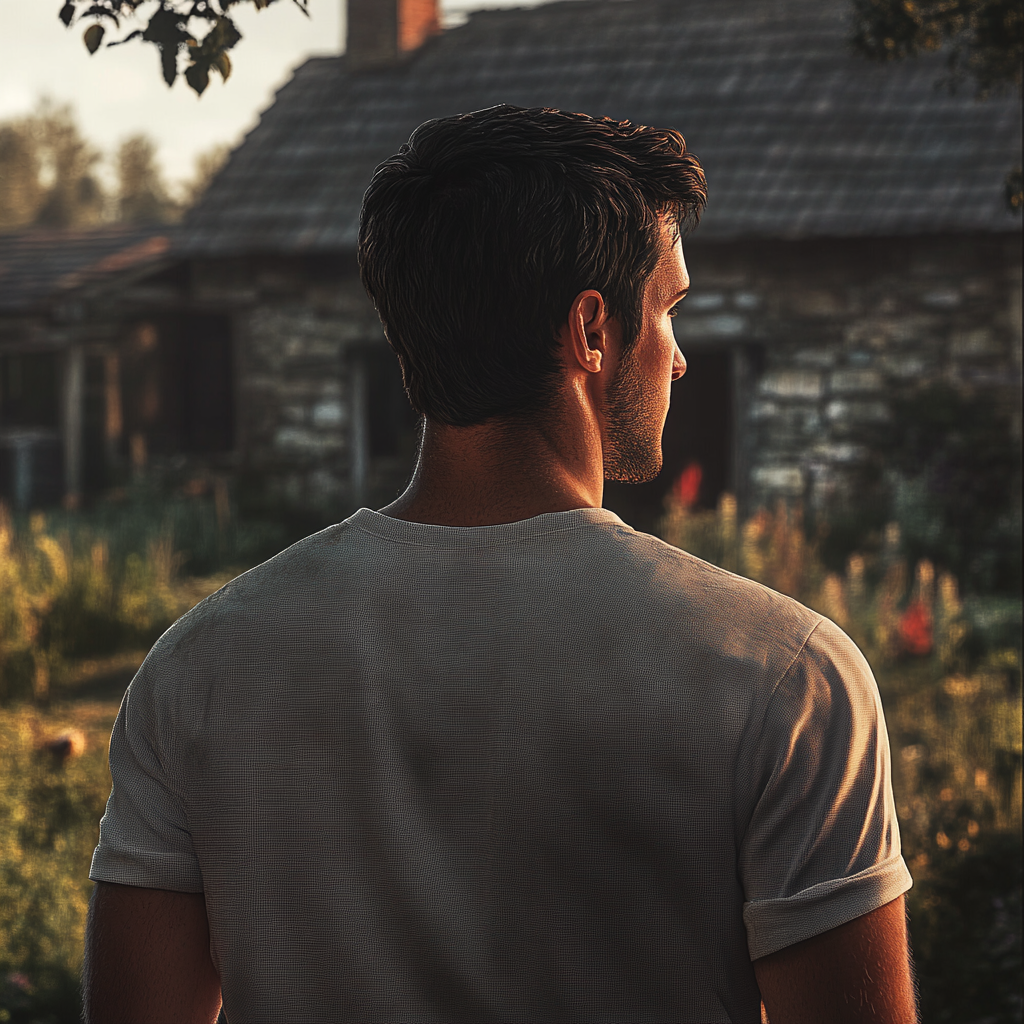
(682,294)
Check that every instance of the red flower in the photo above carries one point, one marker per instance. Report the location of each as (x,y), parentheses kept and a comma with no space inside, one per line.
(915,629)
(687,487)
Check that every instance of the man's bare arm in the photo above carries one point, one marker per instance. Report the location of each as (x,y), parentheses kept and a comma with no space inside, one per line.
(858,973)
(147,958)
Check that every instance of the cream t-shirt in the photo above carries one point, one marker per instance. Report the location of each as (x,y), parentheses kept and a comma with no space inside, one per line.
(552,770)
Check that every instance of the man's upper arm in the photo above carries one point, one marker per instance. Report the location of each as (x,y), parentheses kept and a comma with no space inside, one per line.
(147,958)
(821,845)
(858,973)
(145,837)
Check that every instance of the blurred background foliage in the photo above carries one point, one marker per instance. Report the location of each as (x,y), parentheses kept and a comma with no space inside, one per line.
(83,595)
(192,39)
(51,176)
(983,40)
(92,584)
(951,477)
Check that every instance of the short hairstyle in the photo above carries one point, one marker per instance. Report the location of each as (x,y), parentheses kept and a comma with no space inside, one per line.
(476,237)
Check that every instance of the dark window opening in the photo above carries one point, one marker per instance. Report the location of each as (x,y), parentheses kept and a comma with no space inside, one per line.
(29,390)
(31,452)
(177,386)
(698,433)
(205,408)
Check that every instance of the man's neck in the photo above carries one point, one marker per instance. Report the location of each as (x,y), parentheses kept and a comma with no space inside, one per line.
(494,473)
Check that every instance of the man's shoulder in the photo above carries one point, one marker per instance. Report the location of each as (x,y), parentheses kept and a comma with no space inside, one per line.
(284,585)
(699,609)
(680,576)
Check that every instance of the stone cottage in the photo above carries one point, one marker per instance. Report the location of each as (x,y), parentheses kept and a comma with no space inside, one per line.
(856,250)
(856,243)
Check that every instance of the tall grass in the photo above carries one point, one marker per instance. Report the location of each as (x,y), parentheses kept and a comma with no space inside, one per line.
(82,586)
(74,590)
(50,808)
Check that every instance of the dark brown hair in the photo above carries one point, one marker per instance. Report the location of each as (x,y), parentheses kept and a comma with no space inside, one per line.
(476,237)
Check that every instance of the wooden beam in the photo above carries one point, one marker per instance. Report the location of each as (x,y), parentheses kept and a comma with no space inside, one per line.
(114,418)
(359,430)
(74,400)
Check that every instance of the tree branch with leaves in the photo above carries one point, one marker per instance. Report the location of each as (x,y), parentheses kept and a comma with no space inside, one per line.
(982,40)
(193,37)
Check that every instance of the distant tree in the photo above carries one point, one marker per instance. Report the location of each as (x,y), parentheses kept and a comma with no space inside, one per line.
(21,192)
(73,197)
(47,172)
(173,27)
(142,196)
(982,40)
(206,166)
(48,176)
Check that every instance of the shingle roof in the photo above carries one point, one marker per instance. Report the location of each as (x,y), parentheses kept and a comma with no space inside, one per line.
(799,136)
(36,266)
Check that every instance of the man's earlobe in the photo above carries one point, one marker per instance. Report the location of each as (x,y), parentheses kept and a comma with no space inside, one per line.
(594,357)
(588,323)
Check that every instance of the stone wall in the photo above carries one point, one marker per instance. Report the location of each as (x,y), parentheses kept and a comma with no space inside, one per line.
(826,338)
(829,336)
(301,327)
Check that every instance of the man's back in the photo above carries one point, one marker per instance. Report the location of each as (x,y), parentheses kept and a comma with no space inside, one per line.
(549,770)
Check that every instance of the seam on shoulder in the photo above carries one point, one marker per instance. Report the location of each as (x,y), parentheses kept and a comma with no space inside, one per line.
(796,657)
(782,676)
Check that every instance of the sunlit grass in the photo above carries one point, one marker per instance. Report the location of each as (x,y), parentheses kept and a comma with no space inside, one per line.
(49,824)
(86,587)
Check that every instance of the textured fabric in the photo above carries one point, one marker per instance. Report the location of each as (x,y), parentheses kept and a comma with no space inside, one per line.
(554,770)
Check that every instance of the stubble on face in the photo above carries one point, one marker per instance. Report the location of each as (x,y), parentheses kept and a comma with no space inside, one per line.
(636,399)
(633,452)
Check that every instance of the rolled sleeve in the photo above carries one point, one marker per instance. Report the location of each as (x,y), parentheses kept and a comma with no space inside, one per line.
(144,833)
(822,845)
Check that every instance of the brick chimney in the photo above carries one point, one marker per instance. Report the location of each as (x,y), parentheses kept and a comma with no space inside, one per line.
(381,32)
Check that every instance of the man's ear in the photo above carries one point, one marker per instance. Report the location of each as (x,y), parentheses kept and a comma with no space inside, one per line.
(586,334)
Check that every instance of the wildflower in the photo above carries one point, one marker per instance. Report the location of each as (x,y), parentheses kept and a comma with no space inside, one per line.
(915,629)
(687,487)
(19,980)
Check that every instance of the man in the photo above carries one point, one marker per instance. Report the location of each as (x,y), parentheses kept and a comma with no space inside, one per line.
(489,754)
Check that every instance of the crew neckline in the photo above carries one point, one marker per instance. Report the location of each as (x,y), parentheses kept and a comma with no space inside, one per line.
(402,530)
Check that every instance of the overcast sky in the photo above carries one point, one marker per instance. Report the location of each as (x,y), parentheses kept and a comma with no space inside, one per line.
(120,91)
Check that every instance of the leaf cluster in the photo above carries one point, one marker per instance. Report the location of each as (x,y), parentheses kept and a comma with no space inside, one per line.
(956,463)
(195,33)
(982,38)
